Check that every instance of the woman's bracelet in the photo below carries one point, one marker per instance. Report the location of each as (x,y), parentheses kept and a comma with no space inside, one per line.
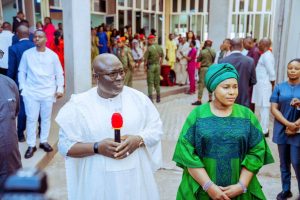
(207,185)
(243,186)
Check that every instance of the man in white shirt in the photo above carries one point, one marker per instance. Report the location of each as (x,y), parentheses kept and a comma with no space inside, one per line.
(265,75)
(41,82)
(97,167)
(5,41)
(181,64)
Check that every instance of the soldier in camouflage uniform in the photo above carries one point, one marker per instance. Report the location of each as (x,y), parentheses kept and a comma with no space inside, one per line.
(153,59)
(125,56)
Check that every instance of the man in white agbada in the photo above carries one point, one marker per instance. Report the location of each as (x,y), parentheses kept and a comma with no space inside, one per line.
(265,75)
(97,167)
(181,64)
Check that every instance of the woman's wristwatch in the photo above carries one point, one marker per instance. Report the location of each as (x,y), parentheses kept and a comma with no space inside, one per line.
(243,186)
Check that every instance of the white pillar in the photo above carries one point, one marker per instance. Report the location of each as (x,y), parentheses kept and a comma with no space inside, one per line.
(77,40)
(286,35)
(1,12)
(45,9)
(218,27)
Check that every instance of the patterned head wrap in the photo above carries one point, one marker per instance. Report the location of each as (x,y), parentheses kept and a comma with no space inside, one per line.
(217,73)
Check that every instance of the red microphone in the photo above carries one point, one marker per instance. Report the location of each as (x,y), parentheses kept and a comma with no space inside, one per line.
(117,123)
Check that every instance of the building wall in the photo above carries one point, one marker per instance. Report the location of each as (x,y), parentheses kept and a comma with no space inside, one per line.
(111,7)
(189,15)
(167,15)
(286,44)
(9,12)
(218,22)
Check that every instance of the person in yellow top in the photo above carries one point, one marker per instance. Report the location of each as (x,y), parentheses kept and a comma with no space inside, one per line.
(94,44)
(108,34)
(171,51)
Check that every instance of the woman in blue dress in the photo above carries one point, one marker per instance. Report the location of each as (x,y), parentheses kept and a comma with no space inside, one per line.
(103,48)
(286,127)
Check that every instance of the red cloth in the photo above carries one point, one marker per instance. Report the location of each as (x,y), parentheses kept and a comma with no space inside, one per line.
(59,50)
(49,29)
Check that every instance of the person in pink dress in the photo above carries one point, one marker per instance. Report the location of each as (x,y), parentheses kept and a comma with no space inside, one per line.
(49,29)
(191,66)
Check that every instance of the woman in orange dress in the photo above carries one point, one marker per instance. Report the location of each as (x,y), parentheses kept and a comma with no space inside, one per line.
(57,46)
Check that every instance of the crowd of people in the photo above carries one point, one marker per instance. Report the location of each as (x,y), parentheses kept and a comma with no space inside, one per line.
(221,146)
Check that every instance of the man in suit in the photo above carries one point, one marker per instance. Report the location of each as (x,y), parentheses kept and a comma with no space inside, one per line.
(16,38)
(15,53)
(254,53)
(17,19)
(246,69)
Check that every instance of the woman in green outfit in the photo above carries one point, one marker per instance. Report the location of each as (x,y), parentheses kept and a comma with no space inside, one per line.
(221,146)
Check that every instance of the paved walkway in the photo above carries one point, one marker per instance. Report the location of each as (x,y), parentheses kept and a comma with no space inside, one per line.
(173,110)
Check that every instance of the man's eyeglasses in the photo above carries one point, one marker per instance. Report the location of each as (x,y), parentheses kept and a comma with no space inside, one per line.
(113,75)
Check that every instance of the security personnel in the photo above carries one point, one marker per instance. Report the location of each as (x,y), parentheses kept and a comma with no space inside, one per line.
(125,56)
(153,59)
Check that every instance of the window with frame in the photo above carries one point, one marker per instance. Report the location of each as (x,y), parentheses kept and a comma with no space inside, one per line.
(161,5)
(250,5)
(129,3)
(192,6)
(201,6)
(99,5)
(153,5)
(121,19)
(121,2)
(175,5)
(55,3)
(138,4)
(146,4)
(242,5)
(183,5)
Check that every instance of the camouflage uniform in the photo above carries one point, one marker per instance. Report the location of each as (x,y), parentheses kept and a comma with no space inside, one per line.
(152,56)
(125,56)
(207,57)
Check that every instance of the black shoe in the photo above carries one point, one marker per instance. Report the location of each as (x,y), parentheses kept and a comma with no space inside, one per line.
(21,139)
(29,152)
(283,195)
(46,147)
(157,98)
(197,103)
(266,134)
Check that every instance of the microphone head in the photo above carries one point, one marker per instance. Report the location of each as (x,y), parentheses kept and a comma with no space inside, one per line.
(116,121)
